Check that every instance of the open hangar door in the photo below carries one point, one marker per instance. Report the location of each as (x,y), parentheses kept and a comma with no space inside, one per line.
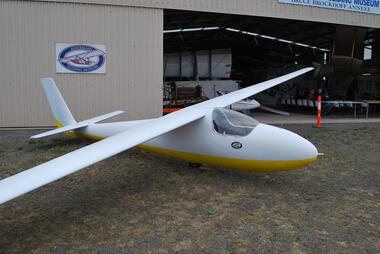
(346,58)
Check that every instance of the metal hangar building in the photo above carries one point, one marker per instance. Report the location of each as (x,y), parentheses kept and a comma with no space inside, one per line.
(109,54)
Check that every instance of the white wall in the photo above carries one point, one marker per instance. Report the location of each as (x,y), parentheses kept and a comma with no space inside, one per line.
(29,31)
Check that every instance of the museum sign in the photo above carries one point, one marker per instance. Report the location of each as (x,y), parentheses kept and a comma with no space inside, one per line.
(367,6)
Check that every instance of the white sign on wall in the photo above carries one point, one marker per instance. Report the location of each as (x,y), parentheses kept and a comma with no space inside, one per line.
(367,6)
(80,58)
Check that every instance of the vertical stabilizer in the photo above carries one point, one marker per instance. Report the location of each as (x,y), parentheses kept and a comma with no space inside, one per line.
(61,112)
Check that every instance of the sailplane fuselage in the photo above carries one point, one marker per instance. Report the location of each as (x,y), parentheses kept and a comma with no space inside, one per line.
(265,149)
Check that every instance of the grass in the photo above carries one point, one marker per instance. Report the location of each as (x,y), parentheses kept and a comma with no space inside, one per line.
(138,202)
(36,141)
(3,147)
(59,150)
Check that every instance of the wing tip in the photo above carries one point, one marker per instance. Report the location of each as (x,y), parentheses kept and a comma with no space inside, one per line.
(308,69)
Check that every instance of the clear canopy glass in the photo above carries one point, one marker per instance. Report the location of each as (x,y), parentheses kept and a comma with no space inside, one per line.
(229,122)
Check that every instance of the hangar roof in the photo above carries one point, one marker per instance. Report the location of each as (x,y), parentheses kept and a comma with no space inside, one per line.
(311,33)
(262,8)
(315,34)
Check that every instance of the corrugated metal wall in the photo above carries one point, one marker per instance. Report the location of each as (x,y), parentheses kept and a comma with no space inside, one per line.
(265,8)
(28,33)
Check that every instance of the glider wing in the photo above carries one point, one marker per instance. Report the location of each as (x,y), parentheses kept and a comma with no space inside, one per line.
(230,98)
(67,164)
(276,111)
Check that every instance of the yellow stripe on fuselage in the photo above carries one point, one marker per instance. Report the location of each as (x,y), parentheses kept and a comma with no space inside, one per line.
(253,166)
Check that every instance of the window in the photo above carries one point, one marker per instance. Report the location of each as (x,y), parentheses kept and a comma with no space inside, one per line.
(230,122)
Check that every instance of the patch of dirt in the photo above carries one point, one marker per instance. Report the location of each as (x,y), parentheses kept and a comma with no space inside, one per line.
(140,202)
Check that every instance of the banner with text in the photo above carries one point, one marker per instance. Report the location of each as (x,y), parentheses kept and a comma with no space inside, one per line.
(367,6)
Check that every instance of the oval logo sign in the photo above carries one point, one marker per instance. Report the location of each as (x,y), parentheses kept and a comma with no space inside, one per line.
(236,145)
(81,58)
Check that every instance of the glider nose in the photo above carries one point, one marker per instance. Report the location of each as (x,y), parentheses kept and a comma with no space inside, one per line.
(305,148)
(294,146)
(284,147)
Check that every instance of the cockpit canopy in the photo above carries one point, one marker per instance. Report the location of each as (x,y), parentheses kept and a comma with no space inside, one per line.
(229,122)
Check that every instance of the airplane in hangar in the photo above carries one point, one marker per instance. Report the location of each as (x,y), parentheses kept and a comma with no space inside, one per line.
(207,133)
(248,104)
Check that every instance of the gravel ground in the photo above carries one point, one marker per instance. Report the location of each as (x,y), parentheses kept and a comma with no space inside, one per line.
(139,202)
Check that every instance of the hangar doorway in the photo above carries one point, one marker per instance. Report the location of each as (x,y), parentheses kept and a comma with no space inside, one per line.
(225,50)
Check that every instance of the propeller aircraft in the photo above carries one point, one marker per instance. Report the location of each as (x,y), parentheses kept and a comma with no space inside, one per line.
(205,133)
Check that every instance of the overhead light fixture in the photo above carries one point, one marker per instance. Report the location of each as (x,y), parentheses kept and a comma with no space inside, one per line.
(191,29)
(247,33)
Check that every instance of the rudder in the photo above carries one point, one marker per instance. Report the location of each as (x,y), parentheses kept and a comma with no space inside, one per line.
(59,109)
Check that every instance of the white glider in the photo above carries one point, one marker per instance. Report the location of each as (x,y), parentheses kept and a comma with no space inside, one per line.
(203,133)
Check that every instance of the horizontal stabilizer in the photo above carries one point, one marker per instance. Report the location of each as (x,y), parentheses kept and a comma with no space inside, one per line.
(77,125)
(103,117)
(60,130)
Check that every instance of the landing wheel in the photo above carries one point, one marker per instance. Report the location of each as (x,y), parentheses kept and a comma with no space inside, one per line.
(195,165)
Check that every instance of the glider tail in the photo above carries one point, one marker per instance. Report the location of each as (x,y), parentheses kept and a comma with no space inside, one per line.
(61,112)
